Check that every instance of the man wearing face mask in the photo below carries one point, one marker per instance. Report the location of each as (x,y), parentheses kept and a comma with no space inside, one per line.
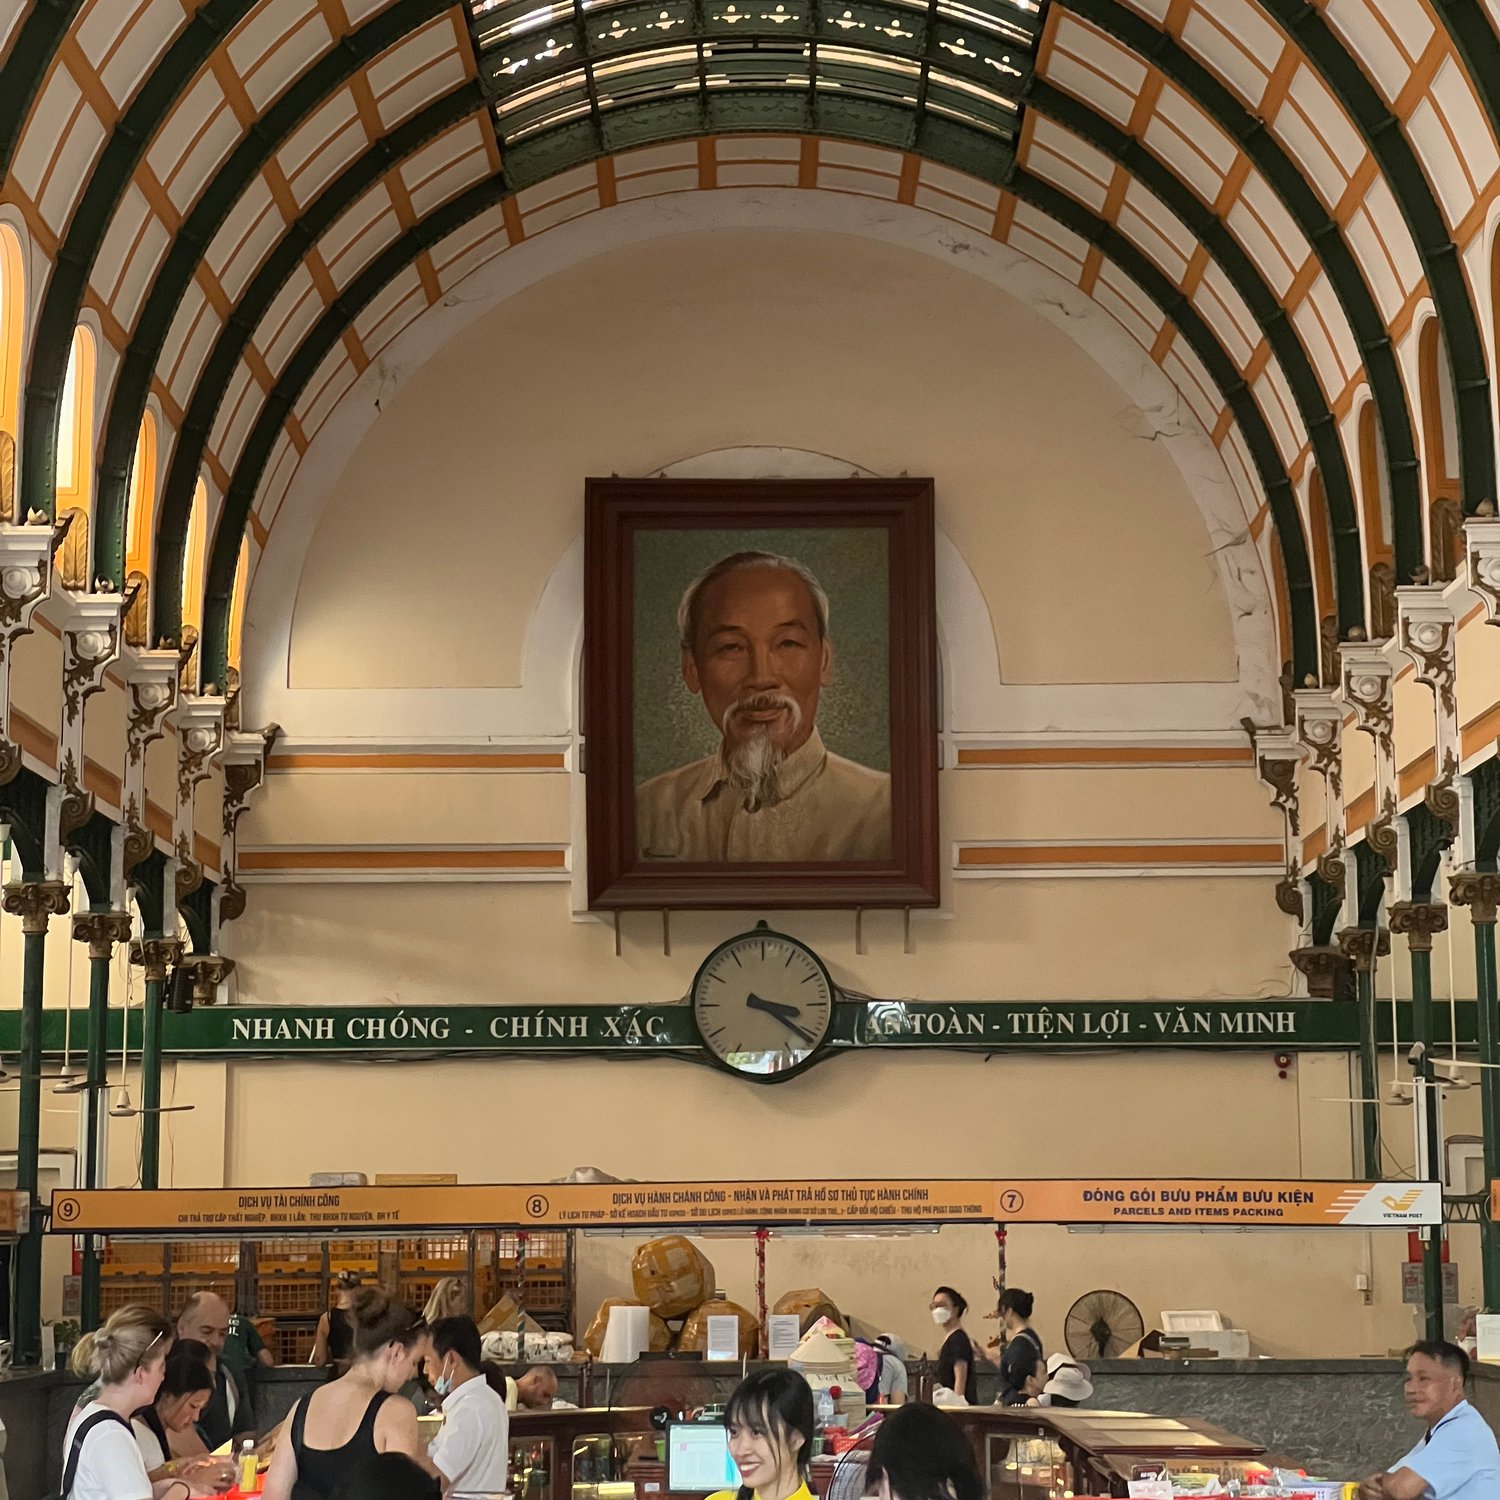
(473,1448)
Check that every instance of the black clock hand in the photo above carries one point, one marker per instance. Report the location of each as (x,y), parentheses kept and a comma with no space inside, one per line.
(783,1013)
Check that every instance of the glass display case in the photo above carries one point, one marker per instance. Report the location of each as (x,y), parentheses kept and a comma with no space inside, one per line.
(576,1454)
(1037,1453)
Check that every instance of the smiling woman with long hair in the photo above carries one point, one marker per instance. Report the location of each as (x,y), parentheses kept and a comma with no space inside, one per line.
(771,1422)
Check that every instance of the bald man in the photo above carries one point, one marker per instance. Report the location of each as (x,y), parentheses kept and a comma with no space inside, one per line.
(230,1413)
(755,647)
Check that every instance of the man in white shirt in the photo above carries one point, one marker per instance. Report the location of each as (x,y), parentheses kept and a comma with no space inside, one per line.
(1458,1458)
(472,1449)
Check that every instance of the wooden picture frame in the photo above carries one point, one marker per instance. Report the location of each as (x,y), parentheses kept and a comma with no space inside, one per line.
(644,543)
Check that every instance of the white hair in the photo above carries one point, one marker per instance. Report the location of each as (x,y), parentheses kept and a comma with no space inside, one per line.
(687,610)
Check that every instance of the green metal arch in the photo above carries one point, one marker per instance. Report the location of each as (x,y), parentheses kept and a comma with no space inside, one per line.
(175,506)
(314,347)
(107,182)
(1322,232)
(1479,49)
(26,67)
(264,138)
(1386,139)
(1214,235)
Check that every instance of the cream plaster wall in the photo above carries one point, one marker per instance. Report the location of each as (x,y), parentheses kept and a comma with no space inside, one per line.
(815,341)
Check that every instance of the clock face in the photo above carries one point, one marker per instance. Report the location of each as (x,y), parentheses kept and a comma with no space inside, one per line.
(763,1003)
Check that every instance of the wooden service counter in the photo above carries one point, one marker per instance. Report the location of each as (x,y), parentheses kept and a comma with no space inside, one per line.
(1032,1455)
(568,1454)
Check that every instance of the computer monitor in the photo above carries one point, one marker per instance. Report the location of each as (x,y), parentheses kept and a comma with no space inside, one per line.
(698,1461)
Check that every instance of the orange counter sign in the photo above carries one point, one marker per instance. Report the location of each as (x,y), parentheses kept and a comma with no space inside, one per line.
(832,1202)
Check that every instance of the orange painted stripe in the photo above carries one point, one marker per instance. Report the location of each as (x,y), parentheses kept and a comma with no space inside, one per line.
(1103,755)
(1418,773)
(1480,730)
(996,856)
(466,761)
(402,859)
(33,738)
(158,821)
(1360,811)
(206,851)
(1314,845)
(102,783)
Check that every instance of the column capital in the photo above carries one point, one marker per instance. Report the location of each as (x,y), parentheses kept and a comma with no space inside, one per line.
(155,955)
(101,930)
(1321,965)
(1479,890)
(207,971)
(36,903)
(1363,945)
(1419,922)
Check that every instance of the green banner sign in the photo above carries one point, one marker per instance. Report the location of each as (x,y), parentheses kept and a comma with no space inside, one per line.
(652,1030)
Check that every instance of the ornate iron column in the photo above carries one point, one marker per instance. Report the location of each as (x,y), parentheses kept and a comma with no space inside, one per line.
(1420,922)
(35,902)
(1479,890)
(155,956)
(101,930)
(1361,946)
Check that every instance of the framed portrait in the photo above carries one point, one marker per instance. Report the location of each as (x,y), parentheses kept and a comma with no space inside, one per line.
(760,693)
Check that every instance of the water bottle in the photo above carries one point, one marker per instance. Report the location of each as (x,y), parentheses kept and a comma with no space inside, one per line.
(825,1410)
(247,1467)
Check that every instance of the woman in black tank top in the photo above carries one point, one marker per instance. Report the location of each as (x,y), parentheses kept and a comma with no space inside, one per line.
(320,1469)
(363,1403)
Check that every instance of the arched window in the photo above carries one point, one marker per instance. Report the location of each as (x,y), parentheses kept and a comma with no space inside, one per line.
(237,604)
(1374,488)
(12,322)
(140,517)
(1320,534)
(1439,416)
(75,427)
(193,559)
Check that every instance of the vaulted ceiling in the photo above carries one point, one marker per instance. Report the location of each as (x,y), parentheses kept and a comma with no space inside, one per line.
(1289,205)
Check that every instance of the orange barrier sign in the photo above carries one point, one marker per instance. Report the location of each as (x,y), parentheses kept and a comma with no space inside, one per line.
(653,1205)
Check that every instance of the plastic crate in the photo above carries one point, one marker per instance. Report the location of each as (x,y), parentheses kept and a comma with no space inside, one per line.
(545,1293)
(545,1250)
(134,1257)
(292,1346)
(118,1292)
(301,1294)
(206,1258)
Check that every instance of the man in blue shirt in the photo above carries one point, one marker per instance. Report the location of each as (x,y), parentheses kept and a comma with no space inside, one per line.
(1458,1458)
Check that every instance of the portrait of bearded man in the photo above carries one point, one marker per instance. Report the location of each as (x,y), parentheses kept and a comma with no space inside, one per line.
(756,649)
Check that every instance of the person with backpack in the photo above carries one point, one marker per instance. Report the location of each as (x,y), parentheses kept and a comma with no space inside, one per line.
(101,1459)
(880,1368)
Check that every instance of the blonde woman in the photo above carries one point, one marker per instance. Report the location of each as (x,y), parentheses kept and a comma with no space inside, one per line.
(101,1460)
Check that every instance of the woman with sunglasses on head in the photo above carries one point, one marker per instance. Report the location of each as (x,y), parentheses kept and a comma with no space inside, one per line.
(771,1421)
(360,1414)
(101,1460)
(919,1453)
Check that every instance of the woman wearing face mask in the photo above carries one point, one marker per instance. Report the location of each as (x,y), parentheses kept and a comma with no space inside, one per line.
(920,1454)
(358,1415)
(771,1422)
(472,1451)
(956,1359)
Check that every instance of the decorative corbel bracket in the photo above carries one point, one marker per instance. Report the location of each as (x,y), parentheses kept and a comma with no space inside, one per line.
(25,580)
(1322,966)
(1277,756)
(1427,632)
(91,636)
(151,688)
(200,738)
(1482,561)
(244,762)
(1367,684)
(1320,724)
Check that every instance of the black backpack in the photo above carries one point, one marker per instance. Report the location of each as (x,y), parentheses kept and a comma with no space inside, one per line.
(75,1452)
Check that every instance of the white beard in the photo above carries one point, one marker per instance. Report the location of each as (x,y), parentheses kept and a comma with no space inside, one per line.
(754,764)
